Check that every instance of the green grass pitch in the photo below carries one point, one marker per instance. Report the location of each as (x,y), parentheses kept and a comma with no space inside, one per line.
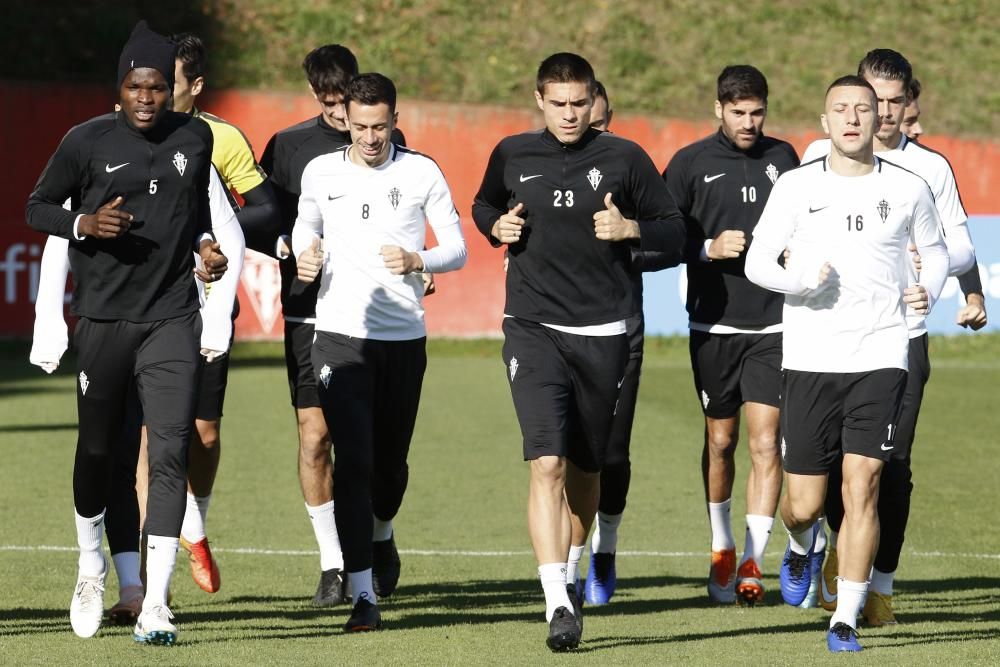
(469,593)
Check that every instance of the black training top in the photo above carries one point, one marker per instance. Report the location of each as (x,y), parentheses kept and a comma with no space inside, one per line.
(285,158)
(162,175)
(719,187)
(560,272)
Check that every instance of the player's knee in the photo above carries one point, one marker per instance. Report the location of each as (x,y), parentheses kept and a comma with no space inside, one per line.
(549,470)
(721,443)
(314,439)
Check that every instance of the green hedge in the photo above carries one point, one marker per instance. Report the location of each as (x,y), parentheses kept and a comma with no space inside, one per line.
(655,57)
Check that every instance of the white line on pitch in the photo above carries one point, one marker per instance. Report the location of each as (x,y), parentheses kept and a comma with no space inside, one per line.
(251,551)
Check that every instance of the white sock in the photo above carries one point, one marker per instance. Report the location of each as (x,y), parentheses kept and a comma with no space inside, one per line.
(553,576)
(382,529)
(193,528)
(820,545)
(161,554)
(573,563)
(758,532)
(882,581)
(89,532)
(127,569)
(800,541)
(722,525)
(361,586)
(832,541)
(850,599)
(325,528)
(605,539)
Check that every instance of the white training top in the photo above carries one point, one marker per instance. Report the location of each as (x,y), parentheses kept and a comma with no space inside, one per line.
(862,226)
(933,168)
(358,209)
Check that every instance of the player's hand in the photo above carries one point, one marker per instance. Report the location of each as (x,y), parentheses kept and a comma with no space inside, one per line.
(915,256)
(507,228)
(429,286)
(728,245)
(610,225)
(213,261)
(973,314)
(310,262)
(400,262)
(824,274)
(915,296)
(109,222)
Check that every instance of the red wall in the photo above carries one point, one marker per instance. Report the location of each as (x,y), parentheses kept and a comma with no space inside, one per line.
(459,137)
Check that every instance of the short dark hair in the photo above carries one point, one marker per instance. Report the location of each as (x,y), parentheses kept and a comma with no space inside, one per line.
(565,68)
(741,82)
(602,92)
(330,68)
(851,81)
(886,64)
(191,53)
(913,94)
(371,89)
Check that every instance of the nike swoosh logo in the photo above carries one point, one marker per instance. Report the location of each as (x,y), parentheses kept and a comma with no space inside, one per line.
(331,197)
(528,178)
(621,382)
(817,210)
(885,449)
(108,168)
(709,179)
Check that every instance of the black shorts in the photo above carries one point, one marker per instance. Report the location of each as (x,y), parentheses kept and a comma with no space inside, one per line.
(824,414)
(298,362)
(565,389)
(733,369)
(916,379)
(621,428)
(212,387)
(370,392)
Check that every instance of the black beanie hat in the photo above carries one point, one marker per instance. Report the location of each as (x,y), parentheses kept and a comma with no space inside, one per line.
(146,48)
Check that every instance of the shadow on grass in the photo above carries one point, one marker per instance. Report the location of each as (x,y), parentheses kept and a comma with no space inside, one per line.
(36,428)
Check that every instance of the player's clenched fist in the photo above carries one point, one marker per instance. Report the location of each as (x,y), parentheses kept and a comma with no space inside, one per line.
(611,225)
(727,245)
(109,222)
(507,228)
(213,261)
(310,262)
(400,262)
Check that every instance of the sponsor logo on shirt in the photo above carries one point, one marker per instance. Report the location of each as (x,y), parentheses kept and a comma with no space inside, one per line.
(709,179)
(528,178)
(108,168)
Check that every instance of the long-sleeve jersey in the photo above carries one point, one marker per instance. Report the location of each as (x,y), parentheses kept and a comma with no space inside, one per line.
(285,158)
(719,187)
(163,177)
(560,272)
(357,210)
(933,168)
(862,225)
